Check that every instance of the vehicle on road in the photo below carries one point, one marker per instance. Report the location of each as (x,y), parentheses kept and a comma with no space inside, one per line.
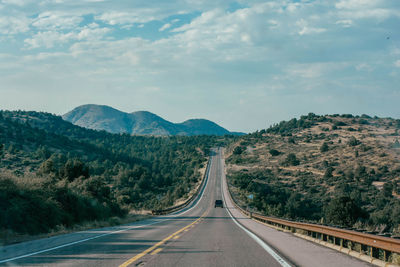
(219,203)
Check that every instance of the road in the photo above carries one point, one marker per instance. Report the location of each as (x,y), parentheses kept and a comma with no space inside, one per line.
(200,235)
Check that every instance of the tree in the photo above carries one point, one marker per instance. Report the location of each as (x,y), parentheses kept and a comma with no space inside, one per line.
(238,150)
(46,167)
(353,141)
(344,211)
(329,172)
(324,147)
(274,152)
(74,169)
(291,160)
(387,189)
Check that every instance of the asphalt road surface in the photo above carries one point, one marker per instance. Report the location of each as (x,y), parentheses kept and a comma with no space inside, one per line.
(199,235)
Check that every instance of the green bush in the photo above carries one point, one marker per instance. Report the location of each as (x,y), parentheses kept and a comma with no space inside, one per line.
(291,160)
(353,141)
(344,211)
(274,152)
(324,147)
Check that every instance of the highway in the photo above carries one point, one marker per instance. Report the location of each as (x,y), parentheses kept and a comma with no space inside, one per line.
(199,235)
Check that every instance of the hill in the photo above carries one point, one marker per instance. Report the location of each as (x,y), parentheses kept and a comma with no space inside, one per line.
(138,123)
(55,174)
(336,169)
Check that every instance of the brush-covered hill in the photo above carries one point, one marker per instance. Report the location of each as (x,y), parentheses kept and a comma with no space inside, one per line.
(336,169)
(56,174)
(138,123)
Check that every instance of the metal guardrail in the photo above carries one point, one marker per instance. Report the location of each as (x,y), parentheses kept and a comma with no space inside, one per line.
(379,248)
(189,200)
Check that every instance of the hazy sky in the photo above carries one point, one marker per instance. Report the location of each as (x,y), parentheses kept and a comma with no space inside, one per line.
(242,64)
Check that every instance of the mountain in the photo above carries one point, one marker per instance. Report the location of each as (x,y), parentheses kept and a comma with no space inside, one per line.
(106,118)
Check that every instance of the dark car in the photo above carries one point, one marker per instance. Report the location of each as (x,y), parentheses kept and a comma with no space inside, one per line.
(219,203)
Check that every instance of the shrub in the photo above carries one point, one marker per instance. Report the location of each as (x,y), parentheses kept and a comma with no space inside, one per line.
(291,160)
(238,150)
(329,172)
(344,211)
(324,147)
(353,141)
(274,152)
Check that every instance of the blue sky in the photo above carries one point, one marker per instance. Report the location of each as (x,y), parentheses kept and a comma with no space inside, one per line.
(242,64)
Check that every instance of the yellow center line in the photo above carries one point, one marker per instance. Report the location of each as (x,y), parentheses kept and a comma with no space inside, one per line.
(147,251)
(176,237)
(156,251)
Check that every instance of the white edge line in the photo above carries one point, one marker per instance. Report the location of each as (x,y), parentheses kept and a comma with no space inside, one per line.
(267,248)
(119,231)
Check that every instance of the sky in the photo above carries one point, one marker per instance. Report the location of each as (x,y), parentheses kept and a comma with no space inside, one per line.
(242,64)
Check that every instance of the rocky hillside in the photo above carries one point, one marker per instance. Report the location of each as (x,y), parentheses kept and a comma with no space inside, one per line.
(138,123)
(337,169)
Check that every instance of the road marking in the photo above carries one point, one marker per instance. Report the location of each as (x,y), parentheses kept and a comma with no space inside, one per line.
(156,251)
(176,214)
(177,236)
(144,253)
(267,248)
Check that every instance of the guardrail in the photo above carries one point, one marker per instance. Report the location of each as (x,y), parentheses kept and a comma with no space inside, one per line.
(379,250)
(189,200)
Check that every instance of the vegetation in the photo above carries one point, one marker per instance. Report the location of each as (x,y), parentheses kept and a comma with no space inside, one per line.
(339,170)
(53,173)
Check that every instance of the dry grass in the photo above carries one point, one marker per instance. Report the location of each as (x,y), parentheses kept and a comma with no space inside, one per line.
(375,151)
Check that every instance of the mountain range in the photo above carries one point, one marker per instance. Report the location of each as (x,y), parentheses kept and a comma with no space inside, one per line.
(100,117)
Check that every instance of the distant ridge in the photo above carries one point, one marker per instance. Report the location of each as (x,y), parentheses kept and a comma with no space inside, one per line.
(99,117)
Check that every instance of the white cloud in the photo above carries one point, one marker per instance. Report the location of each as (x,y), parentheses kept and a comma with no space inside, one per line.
(378,13)
(13,25)
(56,20)
(305,70)
(314,70)
(292,7)
(346,23)
(365,9)
(221,49)
(138,16)
(357,4)
(16,2)
(306,29)
(364,67)
(273,24)
(49,39)
(165,26)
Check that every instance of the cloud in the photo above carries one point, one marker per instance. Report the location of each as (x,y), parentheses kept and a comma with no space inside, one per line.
(49,39)
(306,29)
(357,4)
(15,2)
(273,51)
(14,25)
(56,20)
(165,26)
(345,23)
(365,9)
(364,67)
(135,16)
